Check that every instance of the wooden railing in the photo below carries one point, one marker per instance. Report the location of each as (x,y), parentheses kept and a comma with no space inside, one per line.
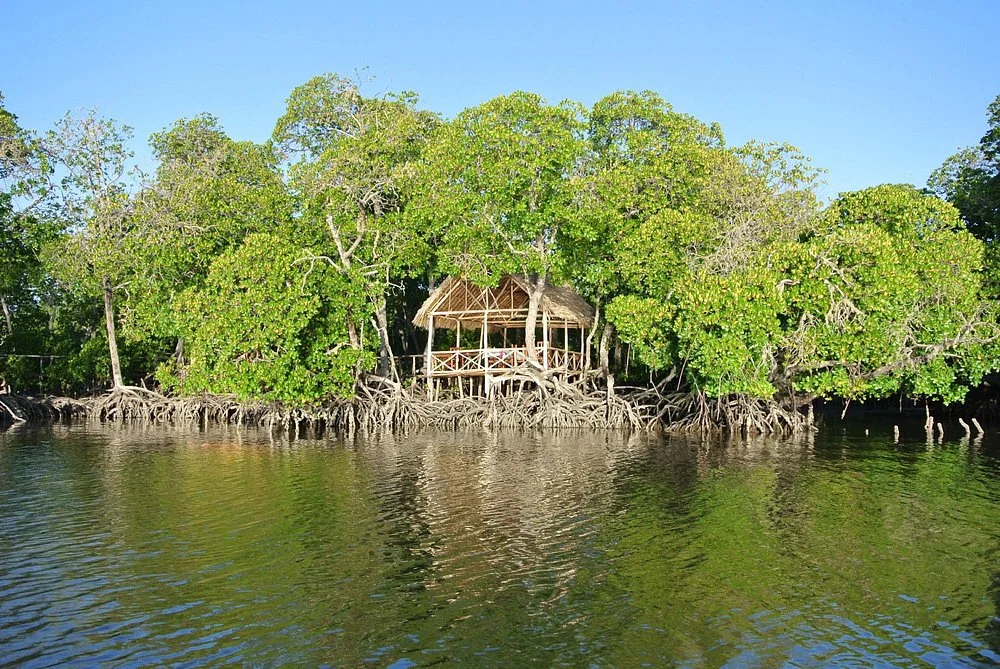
(477,362)
(570,360)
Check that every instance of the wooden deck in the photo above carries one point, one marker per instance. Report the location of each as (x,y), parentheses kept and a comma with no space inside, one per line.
(497,361)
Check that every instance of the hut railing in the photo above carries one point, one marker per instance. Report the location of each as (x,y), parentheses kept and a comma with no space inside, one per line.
(570,360)
(476,362)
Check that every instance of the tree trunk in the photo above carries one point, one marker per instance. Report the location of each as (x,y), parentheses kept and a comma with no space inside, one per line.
(109,319)
(606,335)
(603,350)
(352,334)
(179,351)
(590,336)
(6,315)
(536,287)
(410,337)
(386,361)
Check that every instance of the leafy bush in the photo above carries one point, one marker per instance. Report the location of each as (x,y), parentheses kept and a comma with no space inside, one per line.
(269,323)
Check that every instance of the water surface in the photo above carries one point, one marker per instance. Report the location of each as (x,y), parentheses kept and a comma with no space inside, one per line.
(128,547)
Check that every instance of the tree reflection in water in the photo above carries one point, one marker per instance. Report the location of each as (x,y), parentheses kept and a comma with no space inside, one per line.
(569,547)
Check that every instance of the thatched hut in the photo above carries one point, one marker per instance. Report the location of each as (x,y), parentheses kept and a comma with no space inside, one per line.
(499,315)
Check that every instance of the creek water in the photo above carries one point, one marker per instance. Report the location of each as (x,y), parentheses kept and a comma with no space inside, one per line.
(163,547)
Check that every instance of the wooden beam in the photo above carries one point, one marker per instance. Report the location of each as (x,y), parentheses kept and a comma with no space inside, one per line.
(428,353)
(545,339)
(476,312)
(484,341)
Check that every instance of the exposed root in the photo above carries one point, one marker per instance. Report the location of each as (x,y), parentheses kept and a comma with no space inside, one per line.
(522,402)
(737,414)
(24,409)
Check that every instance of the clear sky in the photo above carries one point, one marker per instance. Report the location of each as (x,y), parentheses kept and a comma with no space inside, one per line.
(878,91)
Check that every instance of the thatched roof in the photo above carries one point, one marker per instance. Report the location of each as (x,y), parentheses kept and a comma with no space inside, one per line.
(458,301)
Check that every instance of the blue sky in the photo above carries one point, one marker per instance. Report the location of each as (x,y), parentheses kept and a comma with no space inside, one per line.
(874,92)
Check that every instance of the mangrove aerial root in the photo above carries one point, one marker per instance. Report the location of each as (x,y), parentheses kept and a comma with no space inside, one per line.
(520,402)
(21,408)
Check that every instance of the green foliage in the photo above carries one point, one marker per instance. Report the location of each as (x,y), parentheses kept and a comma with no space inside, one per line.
(66,329)
(355,153)
(24,198)
(93,152)
(880,313)
(647,172)
(209,193)
(646,324)
(654,269)
(269,323)
(21,240)
(25,166)
(885,301)
(494,187)
(970,180)
(681,217)
(896,208)
(264,267)
(722,329)
(24,190)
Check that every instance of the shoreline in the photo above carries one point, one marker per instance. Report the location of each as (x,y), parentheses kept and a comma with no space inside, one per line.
(400,409)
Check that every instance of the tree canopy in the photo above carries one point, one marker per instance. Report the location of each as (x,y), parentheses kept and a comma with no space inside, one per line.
(351,154)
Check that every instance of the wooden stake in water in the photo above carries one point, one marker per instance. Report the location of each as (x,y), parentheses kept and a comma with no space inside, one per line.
(895,433)
(965,426)
(979,427)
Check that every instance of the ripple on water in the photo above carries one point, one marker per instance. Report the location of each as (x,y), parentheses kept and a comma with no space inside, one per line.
(152,548)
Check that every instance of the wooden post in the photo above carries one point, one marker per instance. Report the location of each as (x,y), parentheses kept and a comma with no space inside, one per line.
(485,340)
(458,334)
(428,353)
(545,339)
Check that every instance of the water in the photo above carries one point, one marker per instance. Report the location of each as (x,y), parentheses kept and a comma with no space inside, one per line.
(168,548)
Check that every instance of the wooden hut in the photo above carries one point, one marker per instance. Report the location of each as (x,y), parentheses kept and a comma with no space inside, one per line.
(498,316)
